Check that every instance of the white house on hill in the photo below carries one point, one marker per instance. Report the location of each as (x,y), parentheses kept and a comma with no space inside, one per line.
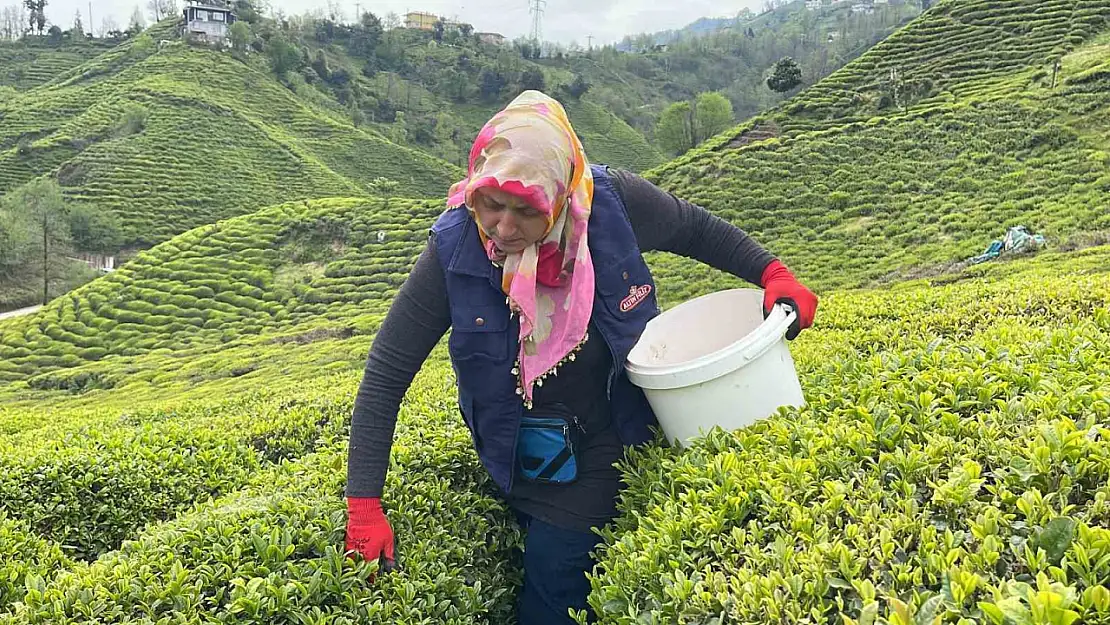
(208,20)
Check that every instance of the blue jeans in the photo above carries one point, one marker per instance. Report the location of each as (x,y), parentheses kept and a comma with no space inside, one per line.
(556,561)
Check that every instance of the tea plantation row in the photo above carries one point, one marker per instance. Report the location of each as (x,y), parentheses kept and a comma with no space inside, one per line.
(954,447)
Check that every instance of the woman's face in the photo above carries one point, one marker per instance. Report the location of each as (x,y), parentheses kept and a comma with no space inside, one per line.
(508,220)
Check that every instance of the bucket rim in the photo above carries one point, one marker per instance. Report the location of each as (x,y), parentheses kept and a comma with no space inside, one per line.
(715,364)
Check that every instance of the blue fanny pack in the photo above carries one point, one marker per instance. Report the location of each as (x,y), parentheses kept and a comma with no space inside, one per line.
(546,445)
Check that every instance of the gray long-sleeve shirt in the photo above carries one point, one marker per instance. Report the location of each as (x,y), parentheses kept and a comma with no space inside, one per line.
(420,316)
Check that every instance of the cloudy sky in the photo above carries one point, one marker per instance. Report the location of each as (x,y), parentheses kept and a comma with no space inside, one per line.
(564,20)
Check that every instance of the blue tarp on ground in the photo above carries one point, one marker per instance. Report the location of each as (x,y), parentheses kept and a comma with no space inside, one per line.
(1016,241)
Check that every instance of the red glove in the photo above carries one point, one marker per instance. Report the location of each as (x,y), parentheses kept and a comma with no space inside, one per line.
(368,531)
(779,285)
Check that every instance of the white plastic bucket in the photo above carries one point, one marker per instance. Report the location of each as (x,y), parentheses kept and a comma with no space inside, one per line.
(715,360)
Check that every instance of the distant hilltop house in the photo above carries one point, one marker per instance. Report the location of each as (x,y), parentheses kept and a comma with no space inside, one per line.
(492,39)
(419,20)
(207,21)
(423,20)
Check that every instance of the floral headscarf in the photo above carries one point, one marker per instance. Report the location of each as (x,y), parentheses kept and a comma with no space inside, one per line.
(530,150)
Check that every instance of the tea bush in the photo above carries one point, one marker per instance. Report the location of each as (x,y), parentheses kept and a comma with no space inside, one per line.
(89,479)
(273,552)
(952,462)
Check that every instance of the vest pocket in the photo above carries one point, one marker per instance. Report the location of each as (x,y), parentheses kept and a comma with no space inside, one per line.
(479,332)
(626,287)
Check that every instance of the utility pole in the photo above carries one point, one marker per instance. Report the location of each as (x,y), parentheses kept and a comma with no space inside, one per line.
(45,258)
(91,18)
(358,13)
(589,42)
(535,7)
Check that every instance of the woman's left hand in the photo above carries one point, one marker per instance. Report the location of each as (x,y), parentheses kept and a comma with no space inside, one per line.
(779,285)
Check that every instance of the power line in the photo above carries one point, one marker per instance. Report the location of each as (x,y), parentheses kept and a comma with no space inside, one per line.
(535,7)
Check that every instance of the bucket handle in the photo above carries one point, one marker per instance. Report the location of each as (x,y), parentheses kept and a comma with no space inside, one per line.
(775,335)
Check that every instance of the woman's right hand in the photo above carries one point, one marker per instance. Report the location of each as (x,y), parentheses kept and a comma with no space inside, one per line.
(368,531)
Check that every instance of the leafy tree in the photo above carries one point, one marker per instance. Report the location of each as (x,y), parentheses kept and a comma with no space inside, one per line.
(240,34)
(284,56)
(675,129)
(36,14)
(94,230)
(684,125)
(713,115)
(54,35)
(490,83)
(35,218)
(578,87)
(532,78)
(785,75)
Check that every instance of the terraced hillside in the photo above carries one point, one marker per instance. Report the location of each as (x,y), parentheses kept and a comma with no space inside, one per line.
(184,136)
(30,64)
(297,265)
(851,195)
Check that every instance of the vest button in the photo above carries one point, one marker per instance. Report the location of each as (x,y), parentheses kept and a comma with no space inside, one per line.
(479,321)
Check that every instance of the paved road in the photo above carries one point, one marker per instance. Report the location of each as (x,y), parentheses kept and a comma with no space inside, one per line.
(19,312)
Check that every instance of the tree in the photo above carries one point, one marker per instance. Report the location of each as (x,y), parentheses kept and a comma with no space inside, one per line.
(78,31)
(55,35)
(578,88)
(37,17)
(398,131)
(785,75)
(240,34)
(137,23)
(490,83)
(284,56)
(94,230)
(713,115)
(38,212)
(438,30)
(532,79)
(108,27)
(675,129)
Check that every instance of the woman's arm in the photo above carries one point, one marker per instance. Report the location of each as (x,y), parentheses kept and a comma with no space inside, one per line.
(417,320)
(663,222)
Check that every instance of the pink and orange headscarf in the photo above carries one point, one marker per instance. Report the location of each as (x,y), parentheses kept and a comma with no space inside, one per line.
(531,151)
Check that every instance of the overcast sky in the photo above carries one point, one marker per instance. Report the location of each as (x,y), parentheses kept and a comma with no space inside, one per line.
(564,20)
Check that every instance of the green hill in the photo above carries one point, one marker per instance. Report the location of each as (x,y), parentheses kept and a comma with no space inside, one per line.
(850,195)
(173,138)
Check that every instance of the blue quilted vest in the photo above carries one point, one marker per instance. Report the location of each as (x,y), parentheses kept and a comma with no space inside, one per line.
(484,339)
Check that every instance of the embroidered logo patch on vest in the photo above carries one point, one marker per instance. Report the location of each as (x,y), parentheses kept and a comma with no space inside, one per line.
(636,294)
